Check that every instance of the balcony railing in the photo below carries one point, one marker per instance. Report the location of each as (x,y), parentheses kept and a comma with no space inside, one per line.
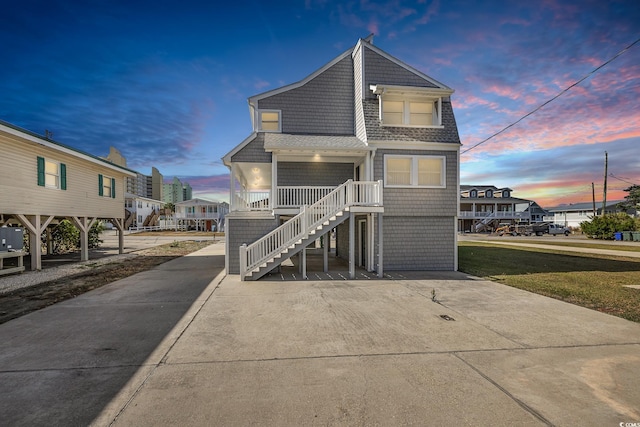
(197,215)
(499,214)
(298,196)
(294,197)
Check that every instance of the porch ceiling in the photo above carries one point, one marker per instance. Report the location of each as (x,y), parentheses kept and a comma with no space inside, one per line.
(254,176)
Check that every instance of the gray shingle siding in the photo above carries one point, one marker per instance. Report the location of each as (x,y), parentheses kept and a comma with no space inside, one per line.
(420,201)
(322,106)
(253,152)
(314,174)
(379,70)
(240,231)
(418,243)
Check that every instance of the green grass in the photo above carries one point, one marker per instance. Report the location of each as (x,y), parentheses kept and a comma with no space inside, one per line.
(590,244)
(589,280)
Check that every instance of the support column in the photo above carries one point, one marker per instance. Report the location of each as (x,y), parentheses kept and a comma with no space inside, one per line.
(325,252)
(83,224)
(352,247)
(380,247)
(303,263)
(34,224)
(49,242)
(119,223)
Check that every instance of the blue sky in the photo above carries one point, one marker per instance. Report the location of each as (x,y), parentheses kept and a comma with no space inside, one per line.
(167,82)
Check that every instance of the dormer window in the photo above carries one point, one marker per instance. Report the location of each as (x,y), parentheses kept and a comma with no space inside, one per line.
(269,121)
(419,113)
(409,106)
(474,193)
(488,194)
(506,194)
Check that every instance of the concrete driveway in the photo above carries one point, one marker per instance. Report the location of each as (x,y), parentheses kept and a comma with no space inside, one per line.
(363,352)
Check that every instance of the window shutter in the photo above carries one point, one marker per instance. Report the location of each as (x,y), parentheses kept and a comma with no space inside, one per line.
(113,188)
(41,171)
(63,176)
(100,184)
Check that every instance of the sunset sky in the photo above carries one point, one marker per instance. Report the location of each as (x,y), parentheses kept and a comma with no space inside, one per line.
(167,82)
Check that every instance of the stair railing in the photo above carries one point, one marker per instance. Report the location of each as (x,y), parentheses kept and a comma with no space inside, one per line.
(310,218)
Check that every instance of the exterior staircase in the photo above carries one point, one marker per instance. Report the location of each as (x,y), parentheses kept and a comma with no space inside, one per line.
(313,221)
(151,219)
(485,222)
(128,219)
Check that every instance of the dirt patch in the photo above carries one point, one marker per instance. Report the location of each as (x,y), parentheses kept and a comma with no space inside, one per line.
(26,300)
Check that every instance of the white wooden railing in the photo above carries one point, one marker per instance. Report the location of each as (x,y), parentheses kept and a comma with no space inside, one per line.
(251,201)
(294,197)
(499,214)
(358,193)
(197,215)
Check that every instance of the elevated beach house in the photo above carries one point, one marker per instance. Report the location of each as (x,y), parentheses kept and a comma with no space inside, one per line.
(367,148)
(43,182)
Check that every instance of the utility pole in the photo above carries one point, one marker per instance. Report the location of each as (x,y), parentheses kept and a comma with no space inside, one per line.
(593,196)
(604,191)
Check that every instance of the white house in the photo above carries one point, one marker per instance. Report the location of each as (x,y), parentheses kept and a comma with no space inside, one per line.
(573,214)
(142,211)
(201,214)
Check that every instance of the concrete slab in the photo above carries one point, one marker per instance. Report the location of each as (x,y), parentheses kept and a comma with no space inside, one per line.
(569,386)
(436,389)
(529,319)
(251,320)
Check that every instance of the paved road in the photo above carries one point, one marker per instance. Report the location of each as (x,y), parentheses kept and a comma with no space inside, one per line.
(186,345)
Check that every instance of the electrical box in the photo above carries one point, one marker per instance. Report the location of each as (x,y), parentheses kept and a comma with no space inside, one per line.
(11,239)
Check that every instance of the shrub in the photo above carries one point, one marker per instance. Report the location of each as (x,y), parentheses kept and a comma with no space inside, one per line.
(604,227)
(65,237)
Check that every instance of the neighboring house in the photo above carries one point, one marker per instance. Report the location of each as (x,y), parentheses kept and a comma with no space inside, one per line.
(201,214)
(327,151)
(483,207)
(142,211)
(43,182)
(573,214)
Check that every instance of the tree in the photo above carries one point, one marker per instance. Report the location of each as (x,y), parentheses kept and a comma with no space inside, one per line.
(170,206)
(605,226)
(632,200)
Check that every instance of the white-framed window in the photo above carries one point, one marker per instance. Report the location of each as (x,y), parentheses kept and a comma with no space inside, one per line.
(106,186)
(414,171)
(410,112)
(269,121)
(52,174)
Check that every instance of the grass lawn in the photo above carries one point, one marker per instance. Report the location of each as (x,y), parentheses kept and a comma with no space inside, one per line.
(589,280)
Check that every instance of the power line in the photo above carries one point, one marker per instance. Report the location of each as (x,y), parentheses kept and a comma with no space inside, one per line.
(621,179)
(552,99)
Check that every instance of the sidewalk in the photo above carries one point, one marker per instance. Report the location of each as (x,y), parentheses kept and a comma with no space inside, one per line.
(185,345)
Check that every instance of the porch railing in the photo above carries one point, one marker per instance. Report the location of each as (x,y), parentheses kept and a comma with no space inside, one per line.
(251,201)
(294,197)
